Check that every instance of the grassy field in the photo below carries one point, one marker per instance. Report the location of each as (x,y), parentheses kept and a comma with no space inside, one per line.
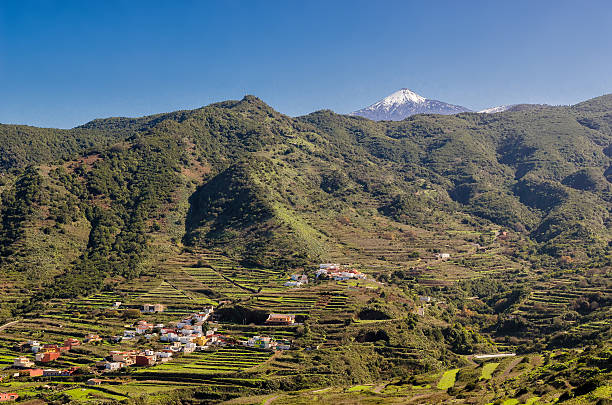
(487,370)
(448,379)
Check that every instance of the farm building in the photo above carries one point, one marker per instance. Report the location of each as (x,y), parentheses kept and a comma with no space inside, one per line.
(94,381)
(280,319)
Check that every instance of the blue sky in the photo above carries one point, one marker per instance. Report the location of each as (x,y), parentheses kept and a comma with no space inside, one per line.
(63,63)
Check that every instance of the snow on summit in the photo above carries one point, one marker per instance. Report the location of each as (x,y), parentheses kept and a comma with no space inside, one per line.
(404,103)
(400,97)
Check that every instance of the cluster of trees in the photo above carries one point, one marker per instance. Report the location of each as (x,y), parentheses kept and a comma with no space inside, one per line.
(125,188)
(17,206)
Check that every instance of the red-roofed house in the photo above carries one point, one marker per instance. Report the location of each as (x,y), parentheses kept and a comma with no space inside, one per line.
(8,396)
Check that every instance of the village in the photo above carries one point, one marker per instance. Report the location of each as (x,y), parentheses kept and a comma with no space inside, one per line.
(327,271)
(190,334)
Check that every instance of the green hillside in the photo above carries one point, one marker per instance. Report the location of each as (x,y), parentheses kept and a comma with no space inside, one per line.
(223,203)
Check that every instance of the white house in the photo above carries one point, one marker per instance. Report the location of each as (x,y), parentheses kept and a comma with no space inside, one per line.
(113,366)
(169,337)
(130,334)
(189,348)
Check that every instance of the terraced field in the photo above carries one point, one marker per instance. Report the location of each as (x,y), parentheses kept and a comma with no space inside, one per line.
(556,296)
(223,360)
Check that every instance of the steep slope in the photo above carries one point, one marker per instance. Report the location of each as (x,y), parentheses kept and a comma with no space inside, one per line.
(404,103)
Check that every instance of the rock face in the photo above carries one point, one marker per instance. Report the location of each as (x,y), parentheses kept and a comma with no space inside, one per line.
(404,103)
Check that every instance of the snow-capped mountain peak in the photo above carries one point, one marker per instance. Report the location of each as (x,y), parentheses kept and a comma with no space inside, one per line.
(404,103)
(400,97)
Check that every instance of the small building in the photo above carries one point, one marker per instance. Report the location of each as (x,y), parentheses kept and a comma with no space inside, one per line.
(129,334)
(71,342)
(92,338)
(262,342)
(126,358)
(46,357)
(31,372)
(280,319)
(186,339)
(145,360)
(22,362)
(113,366)
(59,373)
(425,298)
(200,340)
(142,329)
(33,345)
(283,345)
(93,381)
(153,308)
(443,255)
(189,348)
(169,337)
(204,315)
(8,396)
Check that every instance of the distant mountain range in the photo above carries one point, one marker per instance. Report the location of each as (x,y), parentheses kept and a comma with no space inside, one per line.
(404,103)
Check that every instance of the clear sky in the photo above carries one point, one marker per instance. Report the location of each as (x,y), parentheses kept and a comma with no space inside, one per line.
(63,63)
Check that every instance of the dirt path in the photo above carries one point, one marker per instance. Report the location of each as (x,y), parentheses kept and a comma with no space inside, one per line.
(6,325)
(419,397)
(270,400)
(380,387)
(508,369)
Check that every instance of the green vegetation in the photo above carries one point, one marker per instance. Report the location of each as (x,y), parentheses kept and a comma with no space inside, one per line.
(477,233)
(487,370)
(448,379)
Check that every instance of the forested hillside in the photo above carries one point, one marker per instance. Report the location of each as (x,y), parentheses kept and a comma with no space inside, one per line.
(520,200)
